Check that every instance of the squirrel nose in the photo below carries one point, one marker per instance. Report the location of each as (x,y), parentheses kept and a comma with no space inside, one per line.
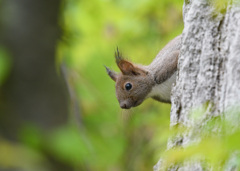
(124,105)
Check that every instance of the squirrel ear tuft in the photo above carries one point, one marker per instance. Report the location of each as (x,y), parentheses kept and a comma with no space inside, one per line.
(118,56)
(127,67)
(112,74)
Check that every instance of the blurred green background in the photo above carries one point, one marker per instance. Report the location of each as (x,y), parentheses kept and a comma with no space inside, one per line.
(52,55)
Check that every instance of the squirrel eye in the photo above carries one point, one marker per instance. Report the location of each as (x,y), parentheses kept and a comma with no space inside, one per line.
(128,86)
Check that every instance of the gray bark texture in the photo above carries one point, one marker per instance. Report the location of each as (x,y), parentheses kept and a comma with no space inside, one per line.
(208,71)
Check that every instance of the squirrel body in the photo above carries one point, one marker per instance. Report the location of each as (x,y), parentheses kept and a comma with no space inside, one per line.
(135,83)
(162,92)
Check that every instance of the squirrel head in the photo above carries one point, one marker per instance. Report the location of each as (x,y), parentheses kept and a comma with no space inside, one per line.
(133,83)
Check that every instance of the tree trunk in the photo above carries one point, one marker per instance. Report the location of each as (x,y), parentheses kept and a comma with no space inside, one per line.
(208,71)
(33,93)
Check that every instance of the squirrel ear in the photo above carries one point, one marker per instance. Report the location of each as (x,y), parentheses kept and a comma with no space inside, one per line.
(128,68)
(112,74)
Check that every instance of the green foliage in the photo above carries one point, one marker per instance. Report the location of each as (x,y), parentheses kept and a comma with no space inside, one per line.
(92,31)
(4,65)
(214,150)
(20,156)
(220,5)
(108,137)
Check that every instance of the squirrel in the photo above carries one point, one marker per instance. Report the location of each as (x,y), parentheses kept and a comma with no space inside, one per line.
(135,82)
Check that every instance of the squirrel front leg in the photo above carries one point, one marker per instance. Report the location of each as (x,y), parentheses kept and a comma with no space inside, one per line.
(168,68)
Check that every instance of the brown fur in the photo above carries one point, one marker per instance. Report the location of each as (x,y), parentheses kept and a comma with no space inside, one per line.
(144,79)
(139,78)
(141,86)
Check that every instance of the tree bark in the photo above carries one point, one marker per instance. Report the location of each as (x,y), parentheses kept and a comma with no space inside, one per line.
(208,71)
